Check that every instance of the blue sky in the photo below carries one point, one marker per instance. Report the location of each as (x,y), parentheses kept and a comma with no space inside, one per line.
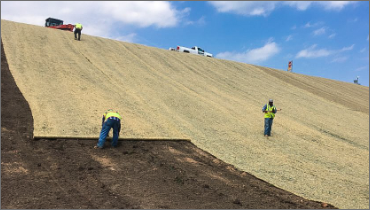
(324,39)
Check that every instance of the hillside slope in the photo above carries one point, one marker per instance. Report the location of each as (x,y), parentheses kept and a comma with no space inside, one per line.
(320,144)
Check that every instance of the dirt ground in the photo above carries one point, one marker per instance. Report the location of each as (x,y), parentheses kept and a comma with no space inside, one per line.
(71,174)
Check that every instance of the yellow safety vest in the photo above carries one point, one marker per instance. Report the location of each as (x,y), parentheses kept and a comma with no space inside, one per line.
(78,25)
(269,110)
(111,114)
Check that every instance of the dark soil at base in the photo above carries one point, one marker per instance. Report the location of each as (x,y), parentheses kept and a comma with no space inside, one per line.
(71,174)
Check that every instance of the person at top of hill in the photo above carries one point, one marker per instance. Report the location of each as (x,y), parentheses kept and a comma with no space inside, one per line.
(270,111)
(78,29)
(111,119)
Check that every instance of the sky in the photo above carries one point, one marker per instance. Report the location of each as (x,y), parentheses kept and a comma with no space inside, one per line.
(328,39)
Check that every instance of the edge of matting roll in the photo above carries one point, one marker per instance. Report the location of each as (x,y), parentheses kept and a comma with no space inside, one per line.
(120,138)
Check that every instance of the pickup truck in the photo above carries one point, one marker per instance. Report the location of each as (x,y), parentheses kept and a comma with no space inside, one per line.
(194,50)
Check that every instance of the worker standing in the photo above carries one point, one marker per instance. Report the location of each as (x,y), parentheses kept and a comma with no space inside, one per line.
(270,111)
(111,119)
(78,29)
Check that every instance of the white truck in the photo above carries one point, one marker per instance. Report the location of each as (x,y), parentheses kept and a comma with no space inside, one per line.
(194,50)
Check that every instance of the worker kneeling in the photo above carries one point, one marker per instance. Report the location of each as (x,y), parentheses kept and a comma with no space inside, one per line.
(110,120)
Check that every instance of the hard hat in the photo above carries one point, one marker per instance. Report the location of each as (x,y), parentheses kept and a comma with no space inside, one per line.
(271,100)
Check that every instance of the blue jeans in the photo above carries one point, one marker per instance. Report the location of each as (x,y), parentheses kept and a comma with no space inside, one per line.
(268,126)
(105,130)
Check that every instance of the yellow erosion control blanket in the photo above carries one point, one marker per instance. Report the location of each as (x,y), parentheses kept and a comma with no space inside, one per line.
(319,147)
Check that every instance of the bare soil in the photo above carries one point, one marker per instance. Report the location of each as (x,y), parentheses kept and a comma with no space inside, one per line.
(71,174)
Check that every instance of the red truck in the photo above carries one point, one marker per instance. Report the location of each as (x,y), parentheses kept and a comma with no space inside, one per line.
(58,24)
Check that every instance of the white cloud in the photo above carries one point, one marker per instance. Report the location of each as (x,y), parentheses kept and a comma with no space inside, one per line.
(142,14)
(319,31)
(346,48)
(264,8)
(332,35)
(312,52)
(254,55)
(362,68)
(99,18)
(339,60)
(334,5)
(290,37)
(299,5)
(309,25)
(245,7)
(127,38)
(201,21)
(327,5)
